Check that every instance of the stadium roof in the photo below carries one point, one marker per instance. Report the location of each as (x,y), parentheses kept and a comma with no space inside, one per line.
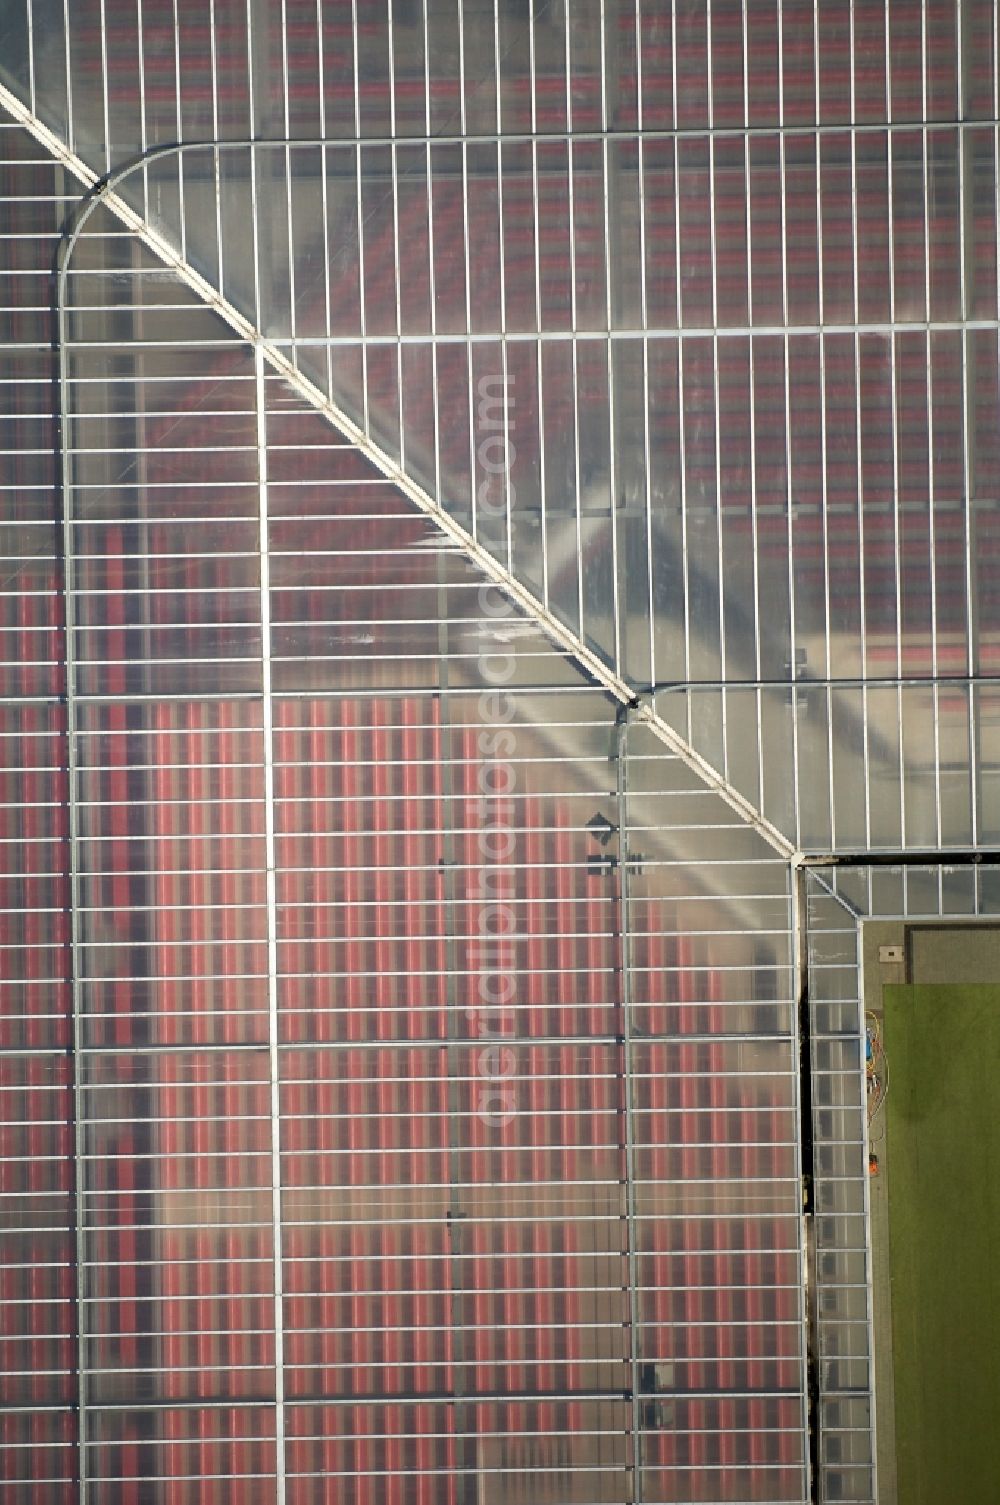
(501,574)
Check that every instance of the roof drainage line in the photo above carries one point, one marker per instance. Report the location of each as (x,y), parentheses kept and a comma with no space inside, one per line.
(271,909)
(65,463)
(102,191)
(623,720)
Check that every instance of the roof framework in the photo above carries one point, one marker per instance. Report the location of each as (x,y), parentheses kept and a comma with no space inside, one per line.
(497,304)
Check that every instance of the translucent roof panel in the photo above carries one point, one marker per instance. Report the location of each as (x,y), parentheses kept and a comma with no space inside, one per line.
(440,389)
(738,280)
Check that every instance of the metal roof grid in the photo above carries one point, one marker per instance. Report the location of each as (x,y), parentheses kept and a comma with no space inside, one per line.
(782,505)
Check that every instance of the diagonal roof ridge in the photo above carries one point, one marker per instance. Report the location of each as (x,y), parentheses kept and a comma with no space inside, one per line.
(102,190)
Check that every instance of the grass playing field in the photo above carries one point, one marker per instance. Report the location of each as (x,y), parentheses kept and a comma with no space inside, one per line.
(943,1162)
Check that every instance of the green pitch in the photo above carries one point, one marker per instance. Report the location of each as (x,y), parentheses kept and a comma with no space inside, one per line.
(943,1164)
